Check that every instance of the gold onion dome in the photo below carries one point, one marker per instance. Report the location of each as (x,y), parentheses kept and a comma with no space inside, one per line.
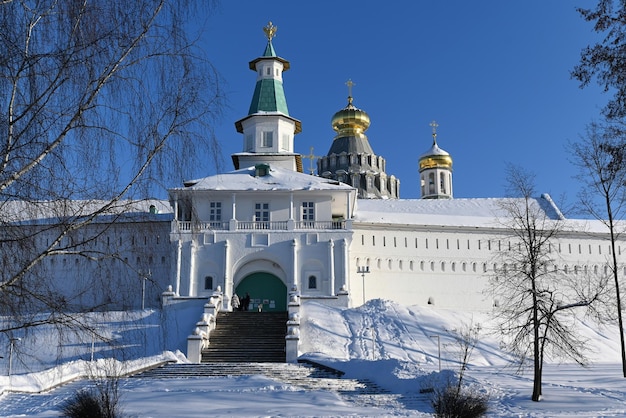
(350,121)
(435,157)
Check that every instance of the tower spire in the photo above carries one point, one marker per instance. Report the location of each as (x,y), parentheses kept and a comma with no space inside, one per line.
(268,129)
(435,170)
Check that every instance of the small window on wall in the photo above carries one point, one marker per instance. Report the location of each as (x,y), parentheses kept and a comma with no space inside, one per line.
(308,211)
(268,139)
(208,283)
(215,211)
(312,282)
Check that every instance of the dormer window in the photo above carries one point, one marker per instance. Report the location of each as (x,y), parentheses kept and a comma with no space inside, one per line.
(261,170)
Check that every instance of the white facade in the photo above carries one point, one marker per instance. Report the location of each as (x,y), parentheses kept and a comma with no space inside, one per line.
(263,220)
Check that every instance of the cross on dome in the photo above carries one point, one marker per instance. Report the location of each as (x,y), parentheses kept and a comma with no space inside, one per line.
(350,84)
(434,125)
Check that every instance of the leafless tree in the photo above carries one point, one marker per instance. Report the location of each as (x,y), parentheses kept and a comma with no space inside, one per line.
(537,301)
(601,159)
(466,338)
(100,102)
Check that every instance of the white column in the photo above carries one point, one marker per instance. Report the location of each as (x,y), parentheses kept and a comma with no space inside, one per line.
(294,272)
(175,208)
(345,264)
(331,266)
(232,224)
(228,280)
(349,214)
(192,269)
(179,253)
(291,206)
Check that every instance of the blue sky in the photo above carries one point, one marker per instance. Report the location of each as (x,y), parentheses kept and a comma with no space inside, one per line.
(494,74)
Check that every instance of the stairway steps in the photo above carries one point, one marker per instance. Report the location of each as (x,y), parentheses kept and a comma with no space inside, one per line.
(247,337)
(306,376)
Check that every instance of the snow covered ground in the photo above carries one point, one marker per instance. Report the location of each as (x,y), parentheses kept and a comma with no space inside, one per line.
(396,347)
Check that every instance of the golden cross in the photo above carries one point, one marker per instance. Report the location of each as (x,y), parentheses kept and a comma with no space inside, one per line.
(270,30)
(350,84)
(311,156)
(434,125)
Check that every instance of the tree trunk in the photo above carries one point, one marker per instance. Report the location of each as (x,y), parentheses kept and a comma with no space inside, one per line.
(618,296)
(536,351)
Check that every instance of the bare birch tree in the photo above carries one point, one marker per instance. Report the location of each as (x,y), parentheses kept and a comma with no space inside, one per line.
(536,299)
(601,159)
(99,100)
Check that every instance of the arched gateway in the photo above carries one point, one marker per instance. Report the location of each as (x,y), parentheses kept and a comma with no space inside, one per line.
(265,289)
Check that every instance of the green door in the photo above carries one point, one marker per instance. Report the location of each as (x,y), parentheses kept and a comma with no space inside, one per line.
(264,289)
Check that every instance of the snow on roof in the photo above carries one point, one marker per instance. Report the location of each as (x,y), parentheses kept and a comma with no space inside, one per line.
(53,210)
(483,212)
(276,179)
(477,213)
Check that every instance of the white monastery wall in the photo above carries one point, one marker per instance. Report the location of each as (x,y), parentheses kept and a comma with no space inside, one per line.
(450,267)
(124,260)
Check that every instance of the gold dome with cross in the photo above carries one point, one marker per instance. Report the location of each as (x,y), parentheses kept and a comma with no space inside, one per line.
(350,121)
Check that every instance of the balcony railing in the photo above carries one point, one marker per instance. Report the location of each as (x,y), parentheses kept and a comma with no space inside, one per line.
(189,226)
(200,226)
(263,225)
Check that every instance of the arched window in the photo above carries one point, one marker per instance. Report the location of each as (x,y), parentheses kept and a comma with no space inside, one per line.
(312,282)
(208,282)
(431,183)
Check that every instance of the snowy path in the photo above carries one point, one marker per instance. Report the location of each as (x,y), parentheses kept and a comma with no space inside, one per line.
(241,396)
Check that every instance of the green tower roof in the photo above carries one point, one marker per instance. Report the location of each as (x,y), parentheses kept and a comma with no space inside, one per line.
(268,96)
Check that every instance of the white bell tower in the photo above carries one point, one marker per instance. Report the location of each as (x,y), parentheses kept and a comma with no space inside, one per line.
(435,171)
(268,130)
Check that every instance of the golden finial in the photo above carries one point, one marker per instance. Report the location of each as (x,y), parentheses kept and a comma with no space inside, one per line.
(350,84)
(270,30)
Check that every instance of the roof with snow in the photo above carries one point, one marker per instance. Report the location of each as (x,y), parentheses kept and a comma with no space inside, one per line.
(445,212)
(276,179)
(51,211)
(469,213)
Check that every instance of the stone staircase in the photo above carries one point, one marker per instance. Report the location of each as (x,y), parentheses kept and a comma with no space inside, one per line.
(305,376)
(255,337)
